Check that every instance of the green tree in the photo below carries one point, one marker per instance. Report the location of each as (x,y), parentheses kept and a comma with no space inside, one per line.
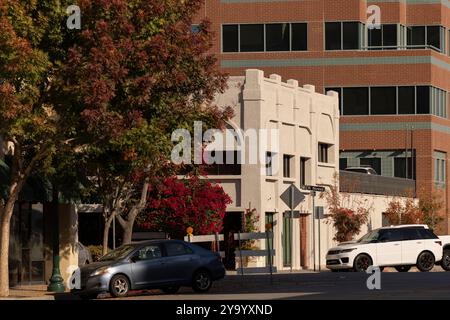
(31,47)
(136,73)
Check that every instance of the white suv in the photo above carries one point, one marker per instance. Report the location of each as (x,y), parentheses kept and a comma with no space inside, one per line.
(400,246)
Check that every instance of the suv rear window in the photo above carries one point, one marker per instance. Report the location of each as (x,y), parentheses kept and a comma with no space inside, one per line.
(427,234)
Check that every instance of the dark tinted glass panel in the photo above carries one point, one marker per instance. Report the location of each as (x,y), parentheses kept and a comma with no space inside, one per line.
(406,100)
(375,38)
(423,100)
(339,91)
(400,168)
(388,235)
(375,163)
(351,35)
(299,36)
(252,37)
(176,249)
(433,36)
(411,234)
(333,36)
(427,234)
(383,100)
(230,38)
(342,163)
(389,35)
(286,166)
(416,36)
(277,37)
(356,101)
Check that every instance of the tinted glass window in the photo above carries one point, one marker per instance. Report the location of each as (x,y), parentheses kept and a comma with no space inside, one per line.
(375,163)
(389,235)
(423,100)
(406,100)
(411,234)
(277,37)
(333,36)
(299,36)
(427,234)
(351,35)
(375,39)
(149,252)
(342,163)
(383,100)
(252,37)
(356,101)
(176,249)
(389,35)
(434,36)
(230,38)
(416,36)
(400,168)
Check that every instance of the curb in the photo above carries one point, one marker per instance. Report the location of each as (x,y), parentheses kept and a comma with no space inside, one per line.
(30,298)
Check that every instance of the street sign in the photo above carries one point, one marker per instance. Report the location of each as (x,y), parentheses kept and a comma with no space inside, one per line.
(294,201)
(314,188)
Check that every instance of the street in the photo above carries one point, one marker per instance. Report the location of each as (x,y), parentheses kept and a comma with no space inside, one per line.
(325,285)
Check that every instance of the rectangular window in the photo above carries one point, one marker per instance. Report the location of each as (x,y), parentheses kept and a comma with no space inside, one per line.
(389,35)
(265,37)
(277,37)
(287,239)
(375,38)
(383,100)
(323,152)
(333,36)
(299,37)
(350,37)
(343,163)
(223,163)
(355,101)
(374,163)
(406,100)
(434,36)
(230,38)
(423,99)
(269,164)
(384,38)
(422,37)
(416,37)
(400,169)
(303,173)
(251,37)
(440,167)
(287,165)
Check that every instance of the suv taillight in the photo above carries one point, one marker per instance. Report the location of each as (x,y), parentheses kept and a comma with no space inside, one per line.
(439,243)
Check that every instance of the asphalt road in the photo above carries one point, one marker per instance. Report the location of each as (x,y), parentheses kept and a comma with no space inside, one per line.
(325,285)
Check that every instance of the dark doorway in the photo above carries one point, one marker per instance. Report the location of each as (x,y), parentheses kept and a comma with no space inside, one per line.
(232,223)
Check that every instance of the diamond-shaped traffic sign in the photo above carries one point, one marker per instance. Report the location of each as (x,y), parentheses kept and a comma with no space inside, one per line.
(292,196)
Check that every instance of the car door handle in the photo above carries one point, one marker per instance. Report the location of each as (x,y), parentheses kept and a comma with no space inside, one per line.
(396,244)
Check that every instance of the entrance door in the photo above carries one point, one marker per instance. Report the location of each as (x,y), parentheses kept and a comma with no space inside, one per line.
(232,223)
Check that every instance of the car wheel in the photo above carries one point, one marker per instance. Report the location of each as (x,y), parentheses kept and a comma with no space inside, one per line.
(170,290)
(201,281)
(89,296)
(119,286)
(402,268)
(362,262)
(445,263)
(425,261)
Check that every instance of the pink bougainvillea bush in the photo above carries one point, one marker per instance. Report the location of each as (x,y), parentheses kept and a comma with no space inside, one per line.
(175,204)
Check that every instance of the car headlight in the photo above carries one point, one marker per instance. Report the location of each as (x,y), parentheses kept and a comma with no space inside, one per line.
(100,271)
(347,250)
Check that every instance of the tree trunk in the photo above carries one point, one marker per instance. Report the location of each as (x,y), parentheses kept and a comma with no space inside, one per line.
(5,221)
(127,232)
(106,236)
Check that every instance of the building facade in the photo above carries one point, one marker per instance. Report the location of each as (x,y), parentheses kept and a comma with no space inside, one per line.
(393,82)
(302,152)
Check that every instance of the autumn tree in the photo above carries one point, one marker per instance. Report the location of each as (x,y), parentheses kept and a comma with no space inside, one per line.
(175,204)
(137,72)
(346,213)
(32,45)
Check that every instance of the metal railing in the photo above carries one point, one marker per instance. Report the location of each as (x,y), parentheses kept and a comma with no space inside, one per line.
(402,47)
(354,182)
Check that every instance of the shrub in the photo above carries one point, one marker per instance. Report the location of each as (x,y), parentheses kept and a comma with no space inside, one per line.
(96,252)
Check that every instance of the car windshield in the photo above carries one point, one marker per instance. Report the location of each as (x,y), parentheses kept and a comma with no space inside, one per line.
(118,253)
(369,237)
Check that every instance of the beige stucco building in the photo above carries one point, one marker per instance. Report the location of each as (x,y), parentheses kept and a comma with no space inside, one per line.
(307,124)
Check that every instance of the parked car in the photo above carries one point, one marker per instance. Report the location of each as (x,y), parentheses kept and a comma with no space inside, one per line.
(84,255)
(445,262)
(400,246)
(162,264)
(362,169)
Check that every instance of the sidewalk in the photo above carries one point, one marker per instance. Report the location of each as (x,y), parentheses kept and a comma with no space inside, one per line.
(29,292)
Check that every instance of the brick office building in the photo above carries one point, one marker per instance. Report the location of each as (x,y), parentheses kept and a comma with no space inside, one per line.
(393,82)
